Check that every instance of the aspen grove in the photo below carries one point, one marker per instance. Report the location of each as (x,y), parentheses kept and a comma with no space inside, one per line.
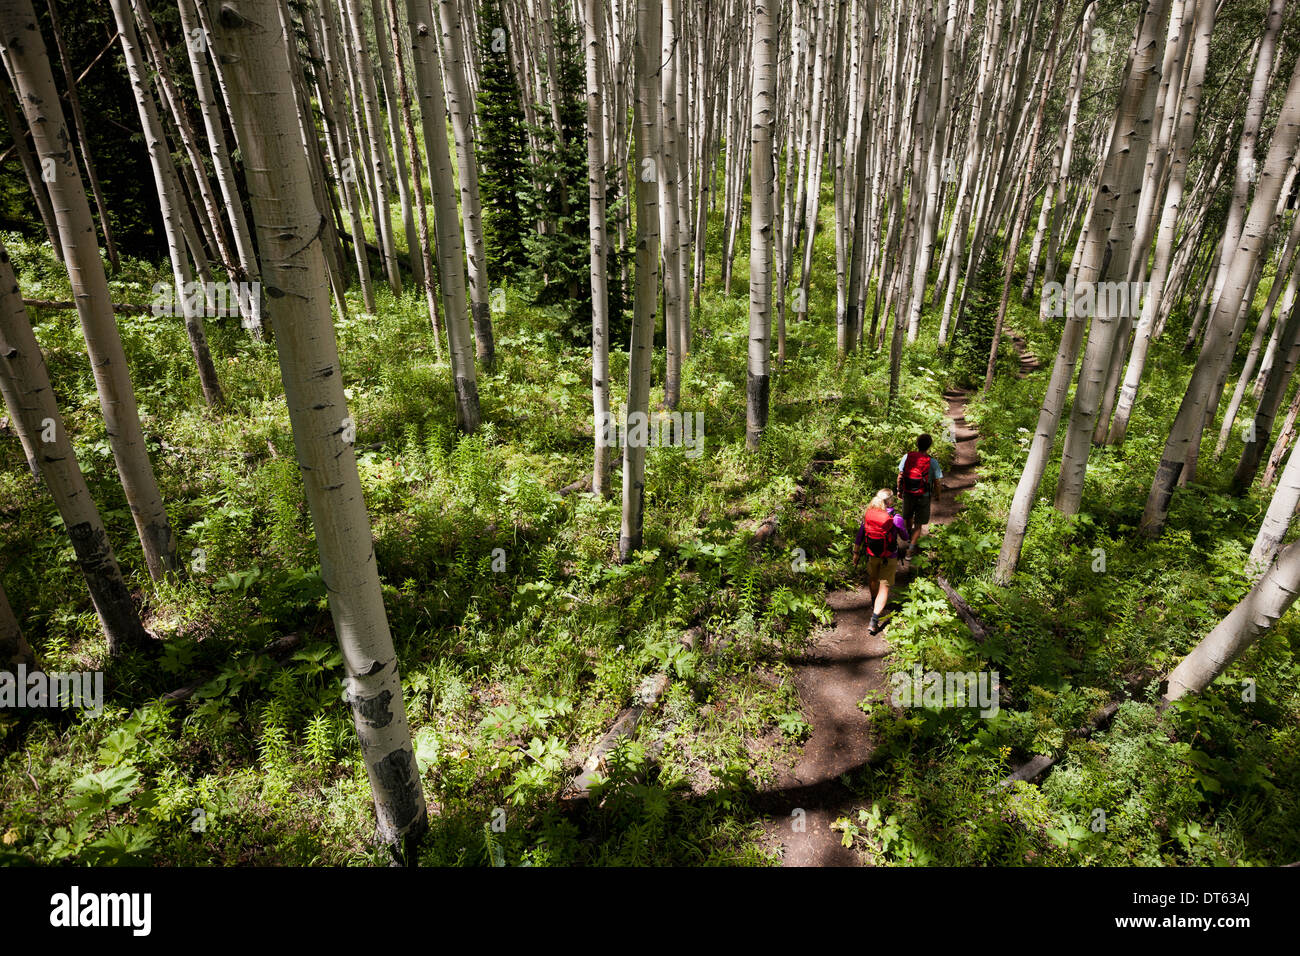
(451,429)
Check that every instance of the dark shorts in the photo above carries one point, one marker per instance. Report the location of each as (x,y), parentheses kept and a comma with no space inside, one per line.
(916,509)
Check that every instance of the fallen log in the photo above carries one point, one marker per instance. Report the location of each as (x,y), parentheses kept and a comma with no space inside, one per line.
(648,694)
(977,630)
(1039,764)
(124,308)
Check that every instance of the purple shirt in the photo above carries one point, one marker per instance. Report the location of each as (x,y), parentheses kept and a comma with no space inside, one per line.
(900,526)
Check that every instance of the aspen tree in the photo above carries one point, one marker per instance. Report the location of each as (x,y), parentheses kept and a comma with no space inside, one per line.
(1189,106)
(25,387)
(762,114)
(26,58)
(373,137)
(83,142)
(460,102)
(446,218)
(1109,256)
(14,649)
(1258,611)
(396,136)
(169,199)
(196,47)
(1115,171)
(251,43)
(646,104)
(31,169)
(1190,420)
(593,34)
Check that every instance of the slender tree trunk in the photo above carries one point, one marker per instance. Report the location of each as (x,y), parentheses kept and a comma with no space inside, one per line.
(426,274)
(25,386)
(374,137)
(14,649)
(20,35)
(446,218)
(250,40)
(646,51)
(1181,150)
(31,168)
(1190,421)
(169,199)
(595,40)
(762,112)
(1259,610)
(670,194)
(461,104)
(1114,171)
(196,45)
(1284,440)
(83,142)
(1111,253)
(395,136)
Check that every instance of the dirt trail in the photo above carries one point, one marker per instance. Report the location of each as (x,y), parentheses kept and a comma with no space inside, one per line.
(844,664)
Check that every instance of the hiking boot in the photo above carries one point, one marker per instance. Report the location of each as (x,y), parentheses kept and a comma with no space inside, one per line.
(875,625)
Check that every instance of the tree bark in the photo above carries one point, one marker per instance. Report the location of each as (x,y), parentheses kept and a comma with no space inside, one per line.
(1190,421)
(762,115)
(461,104)
(251,43)
(25,387)
(646,52)
(446,218)
(20,35)
(1259,610)
(594,37)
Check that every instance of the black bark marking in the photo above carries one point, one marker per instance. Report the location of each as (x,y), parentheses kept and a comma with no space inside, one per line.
(397,793)
(375,711)
(230,18)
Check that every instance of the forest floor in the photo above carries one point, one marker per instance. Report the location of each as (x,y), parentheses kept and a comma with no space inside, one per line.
(844,665)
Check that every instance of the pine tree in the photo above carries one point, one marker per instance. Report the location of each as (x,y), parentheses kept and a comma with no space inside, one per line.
(557,197)
(502,147)
(974,335)
(557,193)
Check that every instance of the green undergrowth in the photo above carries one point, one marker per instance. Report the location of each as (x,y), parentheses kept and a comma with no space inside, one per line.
(1095,613)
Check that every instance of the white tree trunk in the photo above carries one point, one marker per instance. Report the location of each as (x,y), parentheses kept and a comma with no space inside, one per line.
(451,254)
(26,57)
(29,397)
(460,102)
(249,39)
(640,351)
(762,114)
(1259,610)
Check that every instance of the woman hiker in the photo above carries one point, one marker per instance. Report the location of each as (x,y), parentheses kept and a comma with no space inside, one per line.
(879,535)
(919,477)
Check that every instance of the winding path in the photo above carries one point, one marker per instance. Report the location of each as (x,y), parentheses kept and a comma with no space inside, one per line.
(844,664)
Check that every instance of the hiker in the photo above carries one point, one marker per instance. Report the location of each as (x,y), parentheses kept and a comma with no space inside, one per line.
(878,535)
(919,478)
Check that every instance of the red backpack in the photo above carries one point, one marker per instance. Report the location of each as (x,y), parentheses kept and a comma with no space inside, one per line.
(880,531)
(916,474)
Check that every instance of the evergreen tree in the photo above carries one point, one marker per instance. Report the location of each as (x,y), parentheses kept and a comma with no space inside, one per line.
(974,336)
(502,147)
(557,198)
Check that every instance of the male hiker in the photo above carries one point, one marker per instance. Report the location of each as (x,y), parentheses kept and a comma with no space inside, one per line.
(919,477)
(878,534)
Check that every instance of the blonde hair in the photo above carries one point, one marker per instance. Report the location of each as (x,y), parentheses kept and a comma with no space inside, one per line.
(883,499)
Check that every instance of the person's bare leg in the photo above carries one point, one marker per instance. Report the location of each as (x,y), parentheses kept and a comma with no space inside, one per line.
(882,598)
